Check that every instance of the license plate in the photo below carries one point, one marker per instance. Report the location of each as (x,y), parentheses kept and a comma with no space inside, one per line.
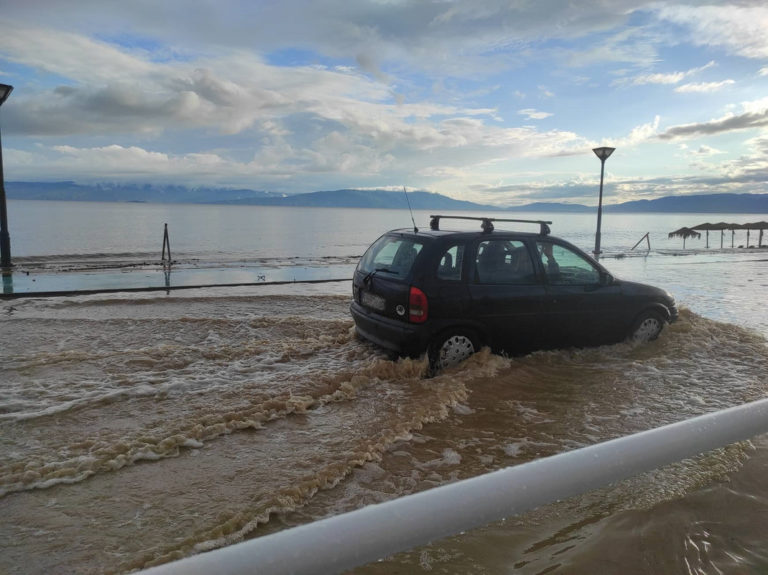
(373,301)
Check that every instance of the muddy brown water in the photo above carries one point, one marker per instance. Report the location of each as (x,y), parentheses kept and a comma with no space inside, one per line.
(136,430)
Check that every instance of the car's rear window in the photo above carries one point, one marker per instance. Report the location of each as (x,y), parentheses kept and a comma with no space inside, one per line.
(391,254)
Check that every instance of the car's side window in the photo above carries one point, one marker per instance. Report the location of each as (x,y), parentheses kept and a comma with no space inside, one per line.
(450,264)
(504,262)
(566,267)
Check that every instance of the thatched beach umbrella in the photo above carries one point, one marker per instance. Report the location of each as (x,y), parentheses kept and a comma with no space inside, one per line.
(721,226)
(684,233)
(762,226)
(733,228)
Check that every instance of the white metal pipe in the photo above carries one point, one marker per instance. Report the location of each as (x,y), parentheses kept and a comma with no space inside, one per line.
(339,543)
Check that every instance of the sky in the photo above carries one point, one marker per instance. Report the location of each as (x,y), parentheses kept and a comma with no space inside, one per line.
(491,101)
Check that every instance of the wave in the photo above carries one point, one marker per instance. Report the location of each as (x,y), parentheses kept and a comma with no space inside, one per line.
(98,261)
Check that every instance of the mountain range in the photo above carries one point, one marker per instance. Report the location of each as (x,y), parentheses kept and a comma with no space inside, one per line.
(353,198)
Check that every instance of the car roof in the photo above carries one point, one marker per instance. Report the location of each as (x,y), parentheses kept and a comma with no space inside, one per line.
(487,228)
(462,233)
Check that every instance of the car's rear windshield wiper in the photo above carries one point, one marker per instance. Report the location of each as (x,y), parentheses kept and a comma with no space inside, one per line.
(370,275)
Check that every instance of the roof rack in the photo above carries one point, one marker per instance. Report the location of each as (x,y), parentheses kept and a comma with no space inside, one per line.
(487,223)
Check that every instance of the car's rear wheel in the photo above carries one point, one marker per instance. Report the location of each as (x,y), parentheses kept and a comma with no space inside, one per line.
(647,327)
(451,348)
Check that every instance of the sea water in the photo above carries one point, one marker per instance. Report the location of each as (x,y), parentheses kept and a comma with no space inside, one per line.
(140,428)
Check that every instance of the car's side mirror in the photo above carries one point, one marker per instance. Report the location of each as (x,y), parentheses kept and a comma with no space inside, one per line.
(606,279)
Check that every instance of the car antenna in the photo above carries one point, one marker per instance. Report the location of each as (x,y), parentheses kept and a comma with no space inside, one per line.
(415,229)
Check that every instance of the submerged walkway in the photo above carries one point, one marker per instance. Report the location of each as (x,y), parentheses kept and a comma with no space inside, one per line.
(20,282)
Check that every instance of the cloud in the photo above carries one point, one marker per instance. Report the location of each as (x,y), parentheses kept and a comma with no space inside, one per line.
(103,88)
(738,28)
(751,167)
(437,38)
(633,45)
(533,114)
(545,92)
(308,94)
(70,55)
(116,163)
(358,148)
(671,78)
(248,119)
(640,134)
(707,151)
(703,88)
(755,115)
(664,78)
(230,94)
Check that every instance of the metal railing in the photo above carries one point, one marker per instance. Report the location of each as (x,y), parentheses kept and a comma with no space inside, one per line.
(345,541)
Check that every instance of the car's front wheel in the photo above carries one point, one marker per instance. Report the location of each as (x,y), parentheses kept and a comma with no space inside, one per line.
(647,327)
(451,348)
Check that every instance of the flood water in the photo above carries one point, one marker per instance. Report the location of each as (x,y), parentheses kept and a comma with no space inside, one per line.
(140,428)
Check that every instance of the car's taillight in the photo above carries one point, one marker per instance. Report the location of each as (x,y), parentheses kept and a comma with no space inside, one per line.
(417,306)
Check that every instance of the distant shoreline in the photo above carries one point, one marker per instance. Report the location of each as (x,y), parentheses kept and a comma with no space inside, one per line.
(368,199)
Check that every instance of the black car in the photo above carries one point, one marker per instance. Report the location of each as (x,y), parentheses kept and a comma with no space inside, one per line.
(448,293)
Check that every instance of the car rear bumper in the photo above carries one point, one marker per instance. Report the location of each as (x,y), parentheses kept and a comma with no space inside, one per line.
(394,335)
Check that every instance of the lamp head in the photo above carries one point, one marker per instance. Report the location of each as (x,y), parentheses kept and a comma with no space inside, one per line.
(603,153)
(5,91)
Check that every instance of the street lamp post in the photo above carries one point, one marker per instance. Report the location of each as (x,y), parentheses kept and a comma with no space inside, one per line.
(5,238)
(603,154)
